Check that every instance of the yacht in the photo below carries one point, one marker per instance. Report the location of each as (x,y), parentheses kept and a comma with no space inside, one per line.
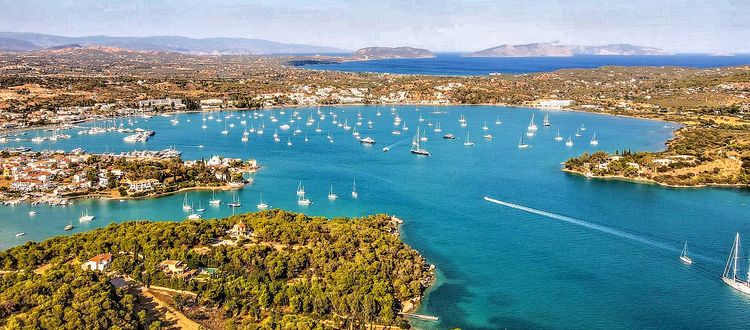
(85,216)
(583,128)
(194,216)
(214,200)
(420,118)
(730,270)
(462,119)
(200,208)
(532,125)
(355,194)
(594,140)
(497,121)
(245,138)
(569,143)
(20,234)
(529,133)
(32,213)
(378,113)
(484,128)
(284,127)
(300,189)
(318,130)
(405,128)
(578,132)
(449,136)
(684,256)
(437,128)
(386,149)
(558,137)
(262,205)
(396,132)
(346,125)
(297,131)
(416,148)
(306,138)
(69,226)
(468,142)
(367,140)
(289,142)
(546,120)
(185,205)
(225,131)
(488,136)
(331,195)
(302,201)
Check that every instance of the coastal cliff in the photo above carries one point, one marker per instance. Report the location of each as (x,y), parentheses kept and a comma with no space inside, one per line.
(553,49)
(383,53)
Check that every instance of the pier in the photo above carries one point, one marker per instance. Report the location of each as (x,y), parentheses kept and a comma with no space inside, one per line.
(420,316)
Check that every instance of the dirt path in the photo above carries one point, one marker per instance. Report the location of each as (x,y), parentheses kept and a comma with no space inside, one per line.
(178,320)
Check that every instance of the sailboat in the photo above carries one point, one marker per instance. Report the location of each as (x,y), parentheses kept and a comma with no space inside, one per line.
(416,148)
(558,137)
(185,205)
(522,144)
(225,131)
(331,195)
(684,256)
(262,205)
(200,208)
(532,126)
(485,126)
(578,132)
(546,120)
(730,270)
(235,202)
(289,141)
(594,140)
(214,200)
(468,142)
(85,216)
(569,143)
(355,194)
(498,122)
(438,129)
(69,226)
(583,128)
(318,130)
(302,201)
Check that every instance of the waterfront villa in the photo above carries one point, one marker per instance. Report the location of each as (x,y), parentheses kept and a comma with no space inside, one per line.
(99,262)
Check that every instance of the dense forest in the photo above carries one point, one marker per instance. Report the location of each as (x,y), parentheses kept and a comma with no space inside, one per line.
(289,271)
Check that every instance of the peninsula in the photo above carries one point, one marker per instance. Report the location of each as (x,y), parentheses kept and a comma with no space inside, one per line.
(272,269)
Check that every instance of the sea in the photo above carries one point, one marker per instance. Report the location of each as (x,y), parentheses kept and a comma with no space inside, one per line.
(559,251)
(454,64)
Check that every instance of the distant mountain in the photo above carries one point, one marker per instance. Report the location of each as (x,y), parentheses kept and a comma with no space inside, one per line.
(381,53)
(16,45)
(217,46)
(556,49)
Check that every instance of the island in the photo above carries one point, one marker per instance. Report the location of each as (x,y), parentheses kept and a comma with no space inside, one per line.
(555,49)
(54,177)
(271,270)
(385,53)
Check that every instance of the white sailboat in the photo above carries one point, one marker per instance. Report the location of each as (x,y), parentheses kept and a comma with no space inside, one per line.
(468,142)
(355,194)
(578,132)
(200,208)
(438,129)
(262,205)
(214,200)
(497,121)
(532,125)
(331,195)
(594,140)
(185,205)
(85,216)
(558,137)
(235,202)
(583,128)
(569,143)
(485,126)
(522,144)
(730,270)
(546,120)
(300,189)
(302,201)
(69,226)
(684,256)
(225,131)
(416,148)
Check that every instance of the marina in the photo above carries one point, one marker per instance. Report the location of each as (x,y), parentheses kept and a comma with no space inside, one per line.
(477,246)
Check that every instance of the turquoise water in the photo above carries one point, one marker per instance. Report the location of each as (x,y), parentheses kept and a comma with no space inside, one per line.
(451,64)
(499,266)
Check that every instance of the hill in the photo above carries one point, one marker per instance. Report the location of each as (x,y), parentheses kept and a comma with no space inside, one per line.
(556,49)
(211,46)
(381,53)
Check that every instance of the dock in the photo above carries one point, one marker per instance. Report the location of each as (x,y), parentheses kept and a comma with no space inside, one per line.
(421,317)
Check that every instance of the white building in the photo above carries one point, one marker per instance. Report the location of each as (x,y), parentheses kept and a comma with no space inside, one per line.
(554,104)
(100,262)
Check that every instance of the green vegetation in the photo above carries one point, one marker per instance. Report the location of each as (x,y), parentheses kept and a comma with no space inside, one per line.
(293,271)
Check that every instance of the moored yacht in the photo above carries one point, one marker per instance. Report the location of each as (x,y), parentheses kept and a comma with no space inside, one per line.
(214,200)
(85,216)
(730,270)
(594,140)
(262,205)
(468,142)
(522,144)
(331,195)
(367,140)
(355,194)
(416,148)
(546,120)
(569,143)
(558,137)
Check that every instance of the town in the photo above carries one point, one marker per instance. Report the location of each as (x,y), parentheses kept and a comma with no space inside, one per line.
(56,177)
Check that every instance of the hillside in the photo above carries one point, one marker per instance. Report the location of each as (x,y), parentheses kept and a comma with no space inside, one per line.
(381,53)
(217,46)
(271,269)
(555,49)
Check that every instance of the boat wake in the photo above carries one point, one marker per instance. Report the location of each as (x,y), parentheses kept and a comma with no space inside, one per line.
(599,228)
(396,143)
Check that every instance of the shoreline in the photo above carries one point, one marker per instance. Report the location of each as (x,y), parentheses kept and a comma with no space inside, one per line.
(159,195)
(654,182)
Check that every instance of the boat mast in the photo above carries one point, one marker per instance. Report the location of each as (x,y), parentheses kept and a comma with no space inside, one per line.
(736,255)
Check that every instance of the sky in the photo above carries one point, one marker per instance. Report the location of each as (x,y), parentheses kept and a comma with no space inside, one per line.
(710,26)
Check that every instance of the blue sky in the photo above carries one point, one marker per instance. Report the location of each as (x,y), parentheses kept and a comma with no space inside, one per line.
(439,25)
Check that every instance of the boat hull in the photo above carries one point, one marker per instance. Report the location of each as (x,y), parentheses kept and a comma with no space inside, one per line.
(737,285)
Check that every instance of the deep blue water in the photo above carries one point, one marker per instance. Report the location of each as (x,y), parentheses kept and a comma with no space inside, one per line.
(498,266)
(456,65)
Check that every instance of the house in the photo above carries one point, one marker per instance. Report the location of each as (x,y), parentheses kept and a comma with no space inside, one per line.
(142,185)
(99,262)
(173,266)
(239,230)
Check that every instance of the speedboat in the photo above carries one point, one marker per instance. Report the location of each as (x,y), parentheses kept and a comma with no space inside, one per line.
(367,140)
(449,136)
